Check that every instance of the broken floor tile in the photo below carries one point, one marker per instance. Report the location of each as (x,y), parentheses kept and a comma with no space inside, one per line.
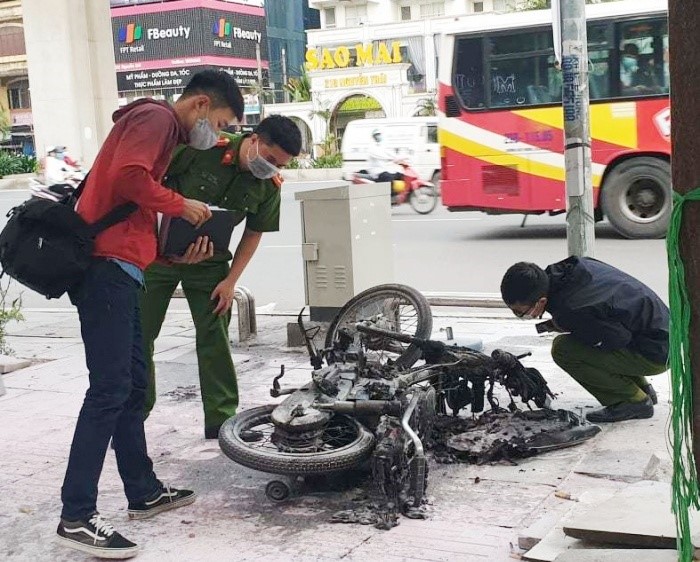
(639,516)
(625,465)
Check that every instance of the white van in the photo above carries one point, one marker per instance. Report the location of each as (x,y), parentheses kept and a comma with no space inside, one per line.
(412,138)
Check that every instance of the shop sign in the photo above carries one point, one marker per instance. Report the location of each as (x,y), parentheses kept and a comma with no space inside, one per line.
(359,55)
(379,79)
(187,32)
(179,76)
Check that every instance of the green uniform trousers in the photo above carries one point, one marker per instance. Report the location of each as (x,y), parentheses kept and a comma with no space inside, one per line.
(611,376)
(217,375)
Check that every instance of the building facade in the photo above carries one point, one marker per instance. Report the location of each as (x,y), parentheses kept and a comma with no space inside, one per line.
(287,22)
(158,46)
(374,58)
(15,103)
(158,65)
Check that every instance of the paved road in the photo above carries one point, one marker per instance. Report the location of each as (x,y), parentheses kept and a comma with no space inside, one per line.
(464,252)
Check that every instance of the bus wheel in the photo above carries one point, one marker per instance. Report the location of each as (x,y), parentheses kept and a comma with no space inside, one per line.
(637,197)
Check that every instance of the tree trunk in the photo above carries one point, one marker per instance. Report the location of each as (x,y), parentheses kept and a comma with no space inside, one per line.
(684,27)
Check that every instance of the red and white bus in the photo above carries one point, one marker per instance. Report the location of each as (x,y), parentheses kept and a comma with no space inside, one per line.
(501,119)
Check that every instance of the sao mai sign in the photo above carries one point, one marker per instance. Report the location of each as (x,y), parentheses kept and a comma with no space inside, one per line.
(354,81)
(365,55)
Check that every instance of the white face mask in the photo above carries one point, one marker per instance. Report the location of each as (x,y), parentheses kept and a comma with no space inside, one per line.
(530,314)
(259,167)
(203,136)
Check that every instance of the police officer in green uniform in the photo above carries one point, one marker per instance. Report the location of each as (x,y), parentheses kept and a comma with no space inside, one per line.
(240,174)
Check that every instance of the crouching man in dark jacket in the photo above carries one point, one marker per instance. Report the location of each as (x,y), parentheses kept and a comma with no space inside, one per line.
(616,329)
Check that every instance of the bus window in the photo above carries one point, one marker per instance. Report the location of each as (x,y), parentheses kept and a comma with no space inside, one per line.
(469,73)
(523,71)
(643,58)
(599,46)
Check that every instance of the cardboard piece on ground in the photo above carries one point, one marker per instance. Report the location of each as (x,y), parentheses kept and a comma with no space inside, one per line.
(9,364)
(639,516)
(533,535)
(626,465)
(555,541)
(552,545)
(618,555)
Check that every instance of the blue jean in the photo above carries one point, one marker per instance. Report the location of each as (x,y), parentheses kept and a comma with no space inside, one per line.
(110,324)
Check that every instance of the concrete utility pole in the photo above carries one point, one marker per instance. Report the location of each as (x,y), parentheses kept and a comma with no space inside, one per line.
(71,74)
(580,233)
(684,48)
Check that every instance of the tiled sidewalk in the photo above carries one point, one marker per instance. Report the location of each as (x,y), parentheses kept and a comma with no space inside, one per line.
(470,519)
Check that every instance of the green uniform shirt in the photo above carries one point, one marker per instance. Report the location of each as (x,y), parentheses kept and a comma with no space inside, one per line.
(214,177)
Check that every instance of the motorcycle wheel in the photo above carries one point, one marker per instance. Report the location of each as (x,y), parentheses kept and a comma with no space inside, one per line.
(394,307)
(346,443)
(424,200)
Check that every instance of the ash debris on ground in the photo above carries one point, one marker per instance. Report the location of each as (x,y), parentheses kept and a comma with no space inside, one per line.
(189,392)
(491,437)
(368,510)
(506,436)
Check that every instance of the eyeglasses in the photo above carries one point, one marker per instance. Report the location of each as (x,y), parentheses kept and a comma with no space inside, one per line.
(529,311)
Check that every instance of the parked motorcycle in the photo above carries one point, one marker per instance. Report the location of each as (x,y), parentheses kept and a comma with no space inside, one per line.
(370,403)
(420,194)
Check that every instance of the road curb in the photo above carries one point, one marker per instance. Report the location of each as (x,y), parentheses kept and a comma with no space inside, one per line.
(471,300)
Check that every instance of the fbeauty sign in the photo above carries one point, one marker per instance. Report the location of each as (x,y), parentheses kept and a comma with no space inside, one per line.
(155,44)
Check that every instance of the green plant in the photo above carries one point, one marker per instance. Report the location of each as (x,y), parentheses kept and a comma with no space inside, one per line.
(329,145)
(324,112)
(5,123)
(426,107)
(299,87)
(293,164)
(17,164)
(28,164)
(329,161)
(7,315)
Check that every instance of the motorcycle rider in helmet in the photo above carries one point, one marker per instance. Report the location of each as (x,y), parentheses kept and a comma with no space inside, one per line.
(382,164)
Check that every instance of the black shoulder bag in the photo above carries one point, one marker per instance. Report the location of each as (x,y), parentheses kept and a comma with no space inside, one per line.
(47,246)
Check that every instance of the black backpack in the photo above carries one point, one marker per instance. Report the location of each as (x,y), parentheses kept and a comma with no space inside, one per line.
(47,246)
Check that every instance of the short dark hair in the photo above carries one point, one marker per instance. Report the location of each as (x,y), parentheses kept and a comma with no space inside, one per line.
(631,49)
(221,88)
(524,283)
(282,131)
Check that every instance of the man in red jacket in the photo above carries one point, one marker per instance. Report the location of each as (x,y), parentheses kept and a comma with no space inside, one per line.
(129,168)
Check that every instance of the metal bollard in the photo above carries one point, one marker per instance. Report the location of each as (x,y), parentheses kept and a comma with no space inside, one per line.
(247,322)
(245,303)
(251,307)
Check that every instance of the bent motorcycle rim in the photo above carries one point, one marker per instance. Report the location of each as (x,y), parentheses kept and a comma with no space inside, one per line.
(341,452)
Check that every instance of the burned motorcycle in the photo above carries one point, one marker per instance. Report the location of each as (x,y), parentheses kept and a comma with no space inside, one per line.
(368,403)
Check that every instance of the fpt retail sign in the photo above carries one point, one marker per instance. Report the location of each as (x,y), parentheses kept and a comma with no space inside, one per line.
(143,34)
(153,36)
(131,36)
(235,34)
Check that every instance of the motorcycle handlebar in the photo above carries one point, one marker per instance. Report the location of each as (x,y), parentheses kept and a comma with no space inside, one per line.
(501,357)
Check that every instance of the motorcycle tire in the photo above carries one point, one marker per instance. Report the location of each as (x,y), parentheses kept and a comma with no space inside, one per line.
(278,462)
(424,323)
(430,204)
